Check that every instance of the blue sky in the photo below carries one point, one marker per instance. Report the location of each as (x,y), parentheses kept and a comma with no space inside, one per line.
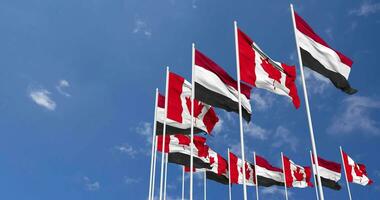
(77,88)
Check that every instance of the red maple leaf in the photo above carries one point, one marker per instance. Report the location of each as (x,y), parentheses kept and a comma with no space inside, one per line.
(198,106)
(358,171)
(298,174)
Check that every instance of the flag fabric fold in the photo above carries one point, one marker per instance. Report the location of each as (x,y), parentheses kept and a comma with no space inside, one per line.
(330,173)
(215,87)
(355,173)
(236,171)
(179,110)
(317,55)
(260,71)
(296,175)
(268,175)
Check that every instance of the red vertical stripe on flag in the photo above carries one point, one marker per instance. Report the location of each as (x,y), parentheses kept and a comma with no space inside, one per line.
(348,167)
(161,101)
(159,143)
(234,173)
(246,58)
(288,172)
(291,75)
(175,109)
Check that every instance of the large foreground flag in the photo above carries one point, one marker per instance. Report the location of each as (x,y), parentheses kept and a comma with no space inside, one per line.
(179,110)
(330,173)
(179,150)
(320,57)
(236,171)
(268,175)
(296,175)
(355,173)
(260,71)
(215,87)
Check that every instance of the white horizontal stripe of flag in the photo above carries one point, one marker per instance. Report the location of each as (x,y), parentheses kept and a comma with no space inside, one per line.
(328,174)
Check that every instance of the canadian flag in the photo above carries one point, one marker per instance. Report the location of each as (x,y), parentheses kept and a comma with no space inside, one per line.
(236,171)
(179,110)
(355,173)
(260,71)
(296,175)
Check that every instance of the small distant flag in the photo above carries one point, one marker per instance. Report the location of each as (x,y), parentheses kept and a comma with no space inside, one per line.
(320,57)
(268,175)
(236,171)
(355,173)
(179,110)
(330,173)
(260,71)
(296,175)
(215,87)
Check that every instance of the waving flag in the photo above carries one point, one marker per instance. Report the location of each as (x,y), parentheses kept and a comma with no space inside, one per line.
(320,57)
(260,71)
(296,175)
(215,87)
(236,171)
(355,173)
(268,175)
(330,173)
(179,110)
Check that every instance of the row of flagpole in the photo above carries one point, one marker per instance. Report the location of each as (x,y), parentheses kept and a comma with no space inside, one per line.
(163,174)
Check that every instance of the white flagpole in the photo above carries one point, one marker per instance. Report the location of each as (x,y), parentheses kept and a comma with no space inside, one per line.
(283,169)
(153,145)
(345,173)
(166,174)
(164,132)
(257,181)
(183,183)
(315,181)
(192,120)
(229,176)
(307,106)
(240,110)
(154,164)
(204,185)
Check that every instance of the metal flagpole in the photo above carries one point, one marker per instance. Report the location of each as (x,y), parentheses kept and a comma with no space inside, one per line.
(166,175)
(283,169)
(192,120)
(345,173)
(183,183)
(153,145)
(307,107)
(257,181)
(229,176)
(204,185)
(154,165)
(240,110)
(315,181)
(164,132)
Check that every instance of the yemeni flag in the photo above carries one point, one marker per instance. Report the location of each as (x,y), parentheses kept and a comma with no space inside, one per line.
(259,70)
(179,150)
(330,173)
(215,87)
(236,171)
(320,57)
(355,173)
(296,175)
(268,175)
(179,110)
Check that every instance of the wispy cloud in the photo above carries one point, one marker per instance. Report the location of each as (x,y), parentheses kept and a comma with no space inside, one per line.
(194,4)
(145,130)
(262,100)
(127,149)
(141,27)
(256,131)
(130,180)
(283,137)
(316,83)
(62,85)
(275,191)
(218,127)
(329,33)
(355,114)
(91,185)
(42,98)
(366,8)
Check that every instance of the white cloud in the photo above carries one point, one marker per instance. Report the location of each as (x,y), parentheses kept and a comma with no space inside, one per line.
(366,8)
(142,28)
(315,83)
(275,191)
(62,84)
(262,102)
(145,130)
(356,115)
(255,131)
(41,97)
(129,180)
(283,137)
(127,149)
(91,185)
